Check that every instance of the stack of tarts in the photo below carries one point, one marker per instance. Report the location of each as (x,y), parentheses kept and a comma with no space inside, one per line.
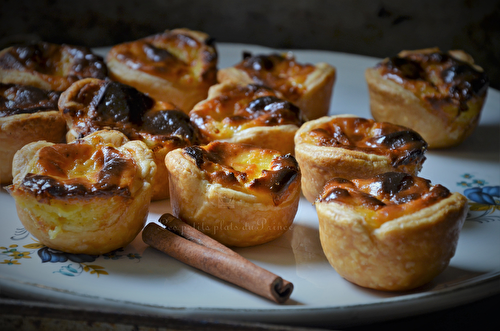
(234,148)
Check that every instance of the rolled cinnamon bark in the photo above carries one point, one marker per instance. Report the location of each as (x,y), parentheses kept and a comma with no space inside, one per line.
(190,246)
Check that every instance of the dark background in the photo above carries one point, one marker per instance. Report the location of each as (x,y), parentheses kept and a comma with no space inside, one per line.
(368,27)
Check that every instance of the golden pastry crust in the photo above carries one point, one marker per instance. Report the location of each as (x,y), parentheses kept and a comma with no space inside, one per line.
(347,146)
(27,114)
(309,87)
(91,104)
(240,195)
(176,66)
(438,94)
(393,232)
(88,197)
(249,114)
(49,66)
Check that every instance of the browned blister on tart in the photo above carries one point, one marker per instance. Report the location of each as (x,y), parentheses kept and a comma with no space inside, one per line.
(49,66)
(27,114)
(249,114)
(347,146)
(438,94)
(392,232)
(90,105)
(88,197)
(177,66)
(308,86)
(241,195)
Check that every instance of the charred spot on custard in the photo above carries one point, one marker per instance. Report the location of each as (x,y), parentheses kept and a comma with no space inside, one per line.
(401,145)
(283,170)
(268,111)
(79,169)
(283,173)
(344,191)
(242,107)
(198,154)
(43,57)
(169,122)
(154,53)
(392,183)
(122,107)
(57,160)
(45,188)
(259,62)
(170,54)
(385,191)
(457,80)
(24,99)
(116,102)
(280,72)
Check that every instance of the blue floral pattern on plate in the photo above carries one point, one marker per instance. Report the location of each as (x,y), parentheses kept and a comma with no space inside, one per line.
(484,200)
(48,255)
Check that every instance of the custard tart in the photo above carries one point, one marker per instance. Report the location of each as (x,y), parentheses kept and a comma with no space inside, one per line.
(88,197)
(249,114)
(347,146)
(177,66)
(308,86)
(27,114)
(91,104)
(438,94)
(49,66)
(391,232)
(240,195)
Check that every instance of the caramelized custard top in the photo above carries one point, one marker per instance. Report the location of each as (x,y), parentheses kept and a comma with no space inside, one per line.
(385,197)
(170,55)
(58,61)
(97,104)
(246,167)
(401,145)
(438,78)
(80,169)
(20,99)
(280,72)
(241,107)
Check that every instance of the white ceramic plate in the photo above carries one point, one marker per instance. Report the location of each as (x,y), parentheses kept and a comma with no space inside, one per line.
(141,279)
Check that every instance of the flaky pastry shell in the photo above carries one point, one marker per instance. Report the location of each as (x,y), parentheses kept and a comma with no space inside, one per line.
(237,212)
(320,163)
(402,254)
(176,66)
(20,129)
(443,104)
(88,197)
(49,66)
(309,87)
(247,114)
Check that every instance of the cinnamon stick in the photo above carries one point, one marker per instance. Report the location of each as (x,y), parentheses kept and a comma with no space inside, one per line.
(192,247)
